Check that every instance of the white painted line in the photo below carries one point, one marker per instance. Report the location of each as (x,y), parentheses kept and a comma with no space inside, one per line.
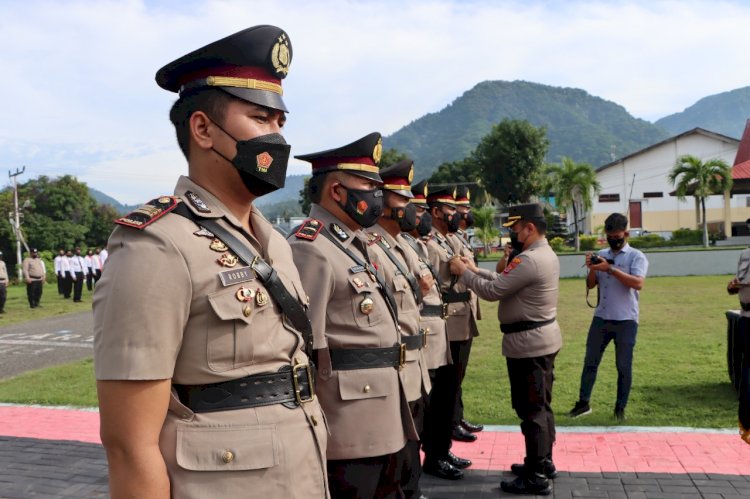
(77,344)
(621,429)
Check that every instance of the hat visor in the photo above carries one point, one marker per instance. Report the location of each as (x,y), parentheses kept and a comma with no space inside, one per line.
(261,97)
(401,192)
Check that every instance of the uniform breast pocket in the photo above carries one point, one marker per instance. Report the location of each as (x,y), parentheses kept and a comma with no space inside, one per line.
(367,308)
(235,333)
(403,294)
(227,448)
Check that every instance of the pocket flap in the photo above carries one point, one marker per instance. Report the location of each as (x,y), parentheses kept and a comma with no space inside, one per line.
(366,383)
(226,305)
(227,449)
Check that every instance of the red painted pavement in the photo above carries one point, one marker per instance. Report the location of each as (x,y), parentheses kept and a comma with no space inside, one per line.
(574,452)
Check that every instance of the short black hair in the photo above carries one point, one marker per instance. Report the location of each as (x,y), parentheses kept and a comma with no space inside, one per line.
(616,222)
(211,101)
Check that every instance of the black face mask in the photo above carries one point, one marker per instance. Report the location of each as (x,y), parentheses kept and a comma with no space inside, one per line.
(425,224)
(616,243)
(452,221)
(469,219)
(517,245)
(406,217)
(261,162)
(365,207)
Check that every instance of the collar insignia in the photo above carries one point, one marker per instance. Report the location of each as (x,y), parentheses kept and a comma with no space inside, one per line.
(197,202)
(204,233)
(339,232)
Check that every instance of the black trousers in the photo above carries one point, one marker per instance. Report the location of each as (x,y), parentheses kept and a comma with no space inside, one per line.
(60,283)
(411,462)
(438,424)
(34,293)
(78,286)
(744,390)
(90,279)
(460,351)
(531,382)
(365,478)
(3,296)
(67,284)
(97,275)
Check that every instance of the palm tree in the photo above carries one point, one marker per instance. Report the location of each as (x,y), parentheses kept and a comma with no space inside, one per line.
(690,175)
(572,184)
(484,225)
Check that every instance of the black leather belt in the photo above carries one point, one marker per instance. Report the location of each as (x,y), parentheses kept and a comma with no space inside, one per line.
(434,311)
(347,359)
(745,306)
(517,327)
(416,341)
(292,385)
(453,297)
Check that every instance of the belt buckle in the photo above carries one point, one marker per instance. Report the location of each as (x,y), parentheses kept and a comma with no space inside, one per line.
(444,312)
(401,355)
(297,391)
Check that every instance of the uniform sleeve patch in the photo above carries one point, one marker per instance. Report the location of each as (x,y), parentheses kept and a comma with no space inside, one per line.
(150,212)
(309,229)
(511,265)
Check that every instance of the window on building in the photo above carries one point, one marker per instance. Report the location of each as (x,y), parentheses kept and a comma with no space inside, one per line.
(609,198)
(653,194)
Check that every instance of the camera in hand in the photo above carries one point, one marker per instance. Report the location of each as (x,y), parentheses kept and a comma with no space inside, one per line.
(597,259)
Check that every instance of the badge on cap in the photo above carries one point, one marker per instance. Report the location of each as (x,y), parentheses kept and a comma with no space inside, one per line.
(227,260)
(197,202)
(280,55)
(377,152)
(339,232)
(411,174)
(366,306)
(218,245)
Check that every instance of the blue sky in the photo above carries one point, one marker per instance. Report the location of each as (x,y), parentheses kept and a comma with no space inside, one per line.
(79,95)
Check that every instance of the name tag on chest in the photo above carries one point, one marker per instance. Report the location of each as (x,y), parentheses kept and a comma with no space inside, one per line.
(236,276)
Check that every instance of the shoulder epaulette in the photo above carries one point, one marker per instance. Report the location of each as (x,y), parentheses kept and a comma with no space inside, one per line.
(309,229)
(149,213)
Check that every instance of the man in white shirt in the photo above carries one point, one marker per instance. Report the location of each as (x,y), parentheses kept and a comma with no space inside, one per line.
(58,271)
(97,265)
(68,276)
(103,256)
(89,259)
(78,269)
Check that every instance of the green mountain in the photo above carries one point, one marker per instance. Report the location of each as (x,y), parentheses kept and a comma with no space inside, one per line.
(102,198)
(724,113)
(290,191)
(581,126)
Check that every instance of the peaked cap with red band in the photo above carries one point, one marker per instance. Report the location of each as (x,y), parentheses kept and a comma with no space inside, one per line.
(397,177)
(361,157)
(420,191)
(248,65)
(444,194)
(462,195)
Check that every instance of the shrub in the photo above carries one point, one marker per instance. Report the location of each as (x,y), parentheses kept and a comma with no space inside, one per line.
(587,243)
(647,241)
(557,243)
(684,237)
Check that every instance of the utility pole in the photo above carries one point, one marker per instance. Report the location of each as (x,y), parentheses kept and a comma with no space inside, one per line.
(17,221)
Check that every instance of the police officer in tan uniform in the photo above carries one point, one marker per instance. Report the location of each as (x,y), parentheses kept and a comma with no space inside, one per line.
(459,241)
(3,283)
(439,461)
(357,339)
(34,274)
(408,281)
(528,291)
(204,386)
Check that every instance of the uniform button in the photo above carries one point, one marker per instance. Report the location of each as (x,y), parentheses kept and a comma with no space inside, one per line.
(366,389)
(324,372)
(314,421)
(426,330)
(227,456)
(186,416)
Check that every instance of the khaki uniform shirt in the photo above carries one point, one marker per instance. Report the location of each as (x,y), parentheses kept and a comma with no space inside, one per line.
(161,312)
(3,273)
(528,289)
(414,375)
(743,275)
(436,351)
(366,408)
(461,324)
(462,247)
(33,269)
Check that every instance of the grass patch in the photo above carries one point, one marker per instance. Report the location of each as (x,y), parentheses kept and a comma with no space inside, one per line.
(680,368)
(17,308)
(67,384)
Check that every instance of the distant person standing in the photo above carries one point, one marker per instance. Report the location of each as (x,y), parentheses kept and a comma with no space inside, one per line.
(620,272)
(3,283)
(740,285)
(34,273)
(96,261)
(89,261)
(103,256)
(59,271)
(78,269)
(67,273)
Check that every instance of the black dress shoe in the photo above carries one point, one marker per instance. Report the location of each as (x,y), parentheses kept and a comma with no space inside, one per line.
(441,469)
(548,468)
(471,427)
(462,435)
(456,461)
(536,485)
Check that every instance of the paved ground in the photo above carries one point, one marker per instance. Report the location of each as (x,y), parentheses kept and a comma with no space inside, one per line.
(45,342)
(55,452)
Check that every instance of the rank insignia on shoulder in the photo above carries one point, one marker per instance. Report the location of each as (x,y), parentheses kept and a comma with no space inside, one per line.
(511,265)
(150,212)
(197,202)
(339,232)
(309,229)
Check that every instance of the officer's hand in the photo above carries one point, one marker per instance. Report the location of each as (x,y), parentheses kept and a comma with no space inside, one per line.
(507,250)
(458,267)
(426,282)
(470,264)
(28,281)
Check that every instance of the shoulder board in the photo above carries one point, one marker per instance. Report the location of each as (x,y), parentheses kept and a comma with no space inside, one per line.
(149,213)
(309,229)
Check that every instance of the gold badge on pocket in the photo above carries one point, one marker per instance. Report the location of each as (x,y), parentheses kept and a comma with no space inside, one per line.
(245,294)
(261,298)
(366,306)
(227,260)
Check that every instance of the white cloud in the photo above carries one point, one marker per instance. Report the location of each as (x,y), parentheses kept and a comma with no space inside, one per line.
(80,96)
